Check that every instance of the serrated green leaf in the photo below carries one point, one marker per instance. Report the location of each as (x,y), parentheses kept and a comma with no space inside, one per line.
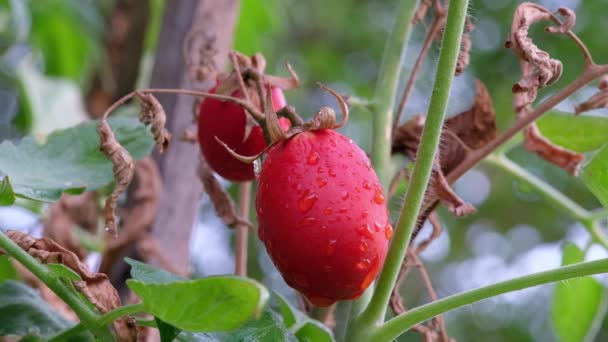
(167,331)
(149,274)
(579,304)
(70,159)
(23,312)
(208,304)
(7,196)
(582,133)
(268,328)
(314,331)
(63,271)
(595,175)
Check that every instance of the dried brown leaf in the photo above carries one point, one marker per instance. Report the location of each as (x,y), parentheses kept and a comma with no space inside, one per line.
(546,70)
(153,114)
(466,131)
(144,201)
(64,215)
(123,168)
(223,204)
(96,287)
(597,100)
(566,159)
(465,47)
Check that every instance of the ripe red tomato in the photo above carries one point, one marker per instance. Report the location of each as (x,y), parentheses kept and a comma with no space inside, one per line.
(226,120)
(322,215)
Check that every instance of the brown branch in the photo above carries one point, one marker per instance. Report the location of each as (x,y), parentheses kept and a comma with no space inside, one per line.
(242,231)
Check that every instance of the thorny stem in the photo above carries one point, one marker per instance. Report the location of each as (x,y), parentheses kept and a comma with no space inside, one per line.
(386,90)
(589,74)
(397,325)
(242,231)
(450,47)
(551,194)
(87,316)
(438,21)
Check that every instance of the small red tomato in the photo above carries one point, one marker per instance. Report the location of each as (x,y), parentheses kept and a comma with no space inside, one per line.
(322,215)
(227,120)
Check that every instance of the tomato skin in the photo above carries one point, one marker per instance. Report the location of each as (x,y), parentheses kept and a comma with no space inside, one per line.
(322,215)
(227,120)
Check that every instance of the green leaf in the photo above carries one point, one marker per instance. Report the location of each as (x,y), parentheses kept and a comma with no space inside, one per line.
(268,328)
(64,272)
(208,304)
(7,196)
(314,331)
(167,331)
(7,271)
(582,133)
(595,175)
(149,274)
(281,305)
(22,311)
(70,159)
(579,304)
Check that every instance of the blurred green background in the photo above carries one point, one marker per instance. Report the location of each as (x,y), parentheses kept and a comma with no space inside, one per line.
(49,50)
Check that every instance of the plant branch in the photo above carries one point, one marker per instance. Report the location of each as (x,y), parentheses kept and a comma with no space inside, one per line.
(438,21)
(386,89)
(551,194)
(87,316)
(400,324)
(450,47)
(105,319)
(242,231)
(590,74)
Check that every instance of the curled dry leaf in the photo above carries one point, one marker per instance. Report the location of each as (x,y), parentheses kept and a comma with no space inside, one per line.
(123,168)
(95,287)
(464,132)
(223,204)
(546,69)
(597,100)
(465,46)
(153,114)
(71,211)
(538,69)
(144,201)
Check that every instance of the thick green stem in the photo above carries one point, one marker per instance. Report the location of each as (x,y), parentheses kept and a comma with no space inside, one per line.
(400,324)
(552,195)
(101,320)
(374,314)
(87,316)
(386,90)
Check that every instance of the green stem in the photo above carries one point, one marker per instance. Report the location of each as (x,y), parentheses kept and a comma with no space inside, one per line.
(386,89)
(398,325)
(374,313)
(87,316)
(101,320)
(552,195)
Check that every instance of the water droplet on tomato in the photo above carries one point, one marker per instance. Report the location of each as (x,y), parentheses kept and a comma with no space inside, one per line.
(328,210)
(363,246)
(331,247)
(343,210)
(344,195)
(388,231)
(379,196)
(364,214)
(321,182)
(257,167)
(331,173)
(313,158)
(366,231)
(307,221)
(363,264)
(367,185)
(307,202)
